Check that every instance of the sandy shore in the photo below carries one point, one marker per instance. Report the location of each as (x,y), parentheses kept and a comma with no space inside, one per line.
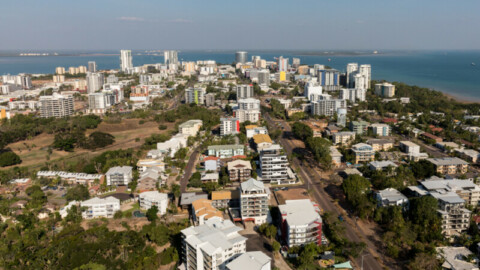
(462,99)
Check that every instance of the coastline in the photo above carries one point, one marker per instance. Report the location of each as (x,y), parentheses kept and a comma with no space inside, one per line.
(460,98)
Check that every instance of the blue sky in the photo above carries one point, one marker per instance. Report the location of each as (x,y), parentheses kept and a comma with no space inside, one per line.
(246,24)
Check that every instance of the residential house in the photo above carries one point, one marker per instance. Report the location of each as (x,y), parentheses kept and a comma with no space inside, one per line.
(336,156)
(391,197)
(239,170)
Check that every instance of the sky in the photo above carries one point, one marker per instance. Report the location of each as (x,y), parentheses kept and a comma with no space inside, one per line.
(246,24)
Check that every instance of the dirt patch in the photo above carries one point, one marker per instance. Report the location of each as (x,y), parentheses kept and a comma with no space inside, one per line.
(291,194)
(116,224)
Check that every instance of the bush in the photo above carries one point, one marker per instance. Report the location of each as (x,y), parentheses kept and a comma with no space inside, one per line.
(168,255)
(118,215)
(162,127)
(77,193)
(99,140)
(9,158)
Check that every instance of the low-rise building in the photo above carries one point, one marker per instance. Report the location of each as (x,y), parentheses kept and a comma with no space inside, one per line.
(449,165)
(239,170)
(380,129)
(391,197)
(262,141)
(468,154)
(229,126)
(363,152)
(100,207)
(456,258)
(226,151)
(212,164)
(380,144)
(202,210)
(336,156)
(119,176)
(301,222)
(154,198)
(186,199)
(190,128)
(252,130)
(72,177)
(447,146)
(343,137)
(254,198)
(253,260)
(383,165)
(145,164)
(209,177)
(212,245)
(359,127)
(225,198)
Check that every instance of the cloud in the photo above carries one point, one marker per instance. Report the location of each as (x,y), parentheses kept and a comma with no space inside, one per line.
(180,20)
(131,19)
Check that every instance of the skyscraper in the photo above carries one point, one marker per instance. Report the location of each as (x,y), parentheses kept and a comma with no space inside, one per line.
(126,60)
(241,57)
(366,71)
(170,57)
(92,66)
(282,64)
(95,81)
(352,68)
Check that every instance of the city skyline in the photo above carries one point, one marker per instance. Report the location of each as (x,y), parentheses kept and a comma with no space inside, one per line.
(265,25)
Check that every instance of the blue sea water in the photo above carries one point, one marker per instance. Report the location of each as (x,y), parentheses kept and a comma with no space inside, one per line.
(451,72)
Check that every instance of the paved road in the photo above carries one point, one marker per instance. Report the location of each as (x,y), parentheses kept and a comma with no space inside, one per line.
(189,170)
(312,181)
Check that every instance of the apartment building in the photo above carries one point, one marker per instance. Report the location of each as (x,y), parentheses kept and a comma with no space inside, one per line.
(226,151)
(336,156)
(239,170)
(343,137)
(119,176)
(229,126)
(380,144)
(254,198)
(190,128)
(244,91)
(466,189)
(148,199)
(203,210)
(72,177)
(248,104)
(262,141)
(195,95)
(380,129)
(247,115)
(468,154)
(225,198)
(149,163)
(210,99)
(252,130)
(253,260)
(449,165)
(274,164)
(100,207)
(391,197)
(212,245)
(363,153)
(328,107)
(409,147)
(385,89)
(359,127)
(301,222)
(56,106)
(451,208)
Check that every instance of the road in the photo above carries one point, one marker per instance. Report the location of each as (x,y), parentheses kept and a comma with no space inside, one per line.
(312,181)
(189,170)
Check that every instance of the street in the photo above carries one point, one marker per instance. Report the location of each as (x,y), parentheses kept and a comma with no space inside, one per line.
(189,170)
(311,179)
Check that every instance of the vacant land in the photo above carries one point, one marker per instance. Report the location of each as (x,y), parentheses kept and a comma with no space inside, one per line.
(34,152)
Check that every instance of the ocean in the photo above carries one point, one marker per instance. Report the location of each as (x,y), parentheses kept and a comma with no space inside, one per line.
(454,72)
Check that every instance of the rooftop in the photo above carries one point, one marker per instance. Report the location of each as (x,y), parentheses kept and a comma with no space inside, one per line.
(262,138)
(120,169)
(300,212)
(253,260)
(455,258)
(252,184)
(239,164)
(188,198)
(155,195)
(226,146)
(391,195)
(203,207)
(446,161)
(100,201)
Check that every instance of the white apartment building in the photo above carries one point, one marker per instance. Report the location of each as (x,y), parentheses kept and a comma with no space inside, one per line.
(301,222)
(170,57)
(253,130)
(56,106)
(95,81)
(410,147)
(390,197)
(171,146)
(100,102)
(380,129)
(126,64)
(312,88)
(253,260)
(328,107)
(274,164)
(352,69)
(195,95)
(190,128)
(353,94)
(385,89)
(343,137)
(247,115)
(226,151)
(264,77)
(148,199)
(254,198)
(98,207)
(119,176)
(244,91)
(212,245)
(229,126)
(249,104)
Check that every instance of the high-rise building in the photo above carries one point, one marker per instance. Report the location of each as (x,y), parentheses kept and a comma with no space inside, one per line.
(264,77)
(189,67)
(244,91)
(195,95)
(366,71)
(353,94)
(241,57)
(26,81)
(73,70)
(254,198)
(170,57)
(312,88)
(352,69)
(296,62)
(282,64)
(58,78)
(82,69)
(249,104)
(60,70)
(329,79)
(328,107)
(274,164)
(92,66)
(126,60)
(247,115)
(385,89)
(210,99)
(229,126)
(56,105)
(95,81)
(341,117)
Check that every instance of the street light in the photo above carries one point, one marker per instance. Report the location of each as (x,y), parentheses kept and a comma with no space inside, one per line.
(362,259)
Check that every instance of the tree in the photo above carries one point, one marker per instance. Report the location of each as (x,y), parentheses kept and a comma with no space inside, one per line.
(424,261)
(9,158)
(168,255)
(99,140)
(423,214)
(152,213)
(276,246)
(356,189)
(118,215)
(91,266)
(320,149)
(302,131)
(422,169)
(77,193)
(175,190)
(195,180)
(269,230)
(278,109)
